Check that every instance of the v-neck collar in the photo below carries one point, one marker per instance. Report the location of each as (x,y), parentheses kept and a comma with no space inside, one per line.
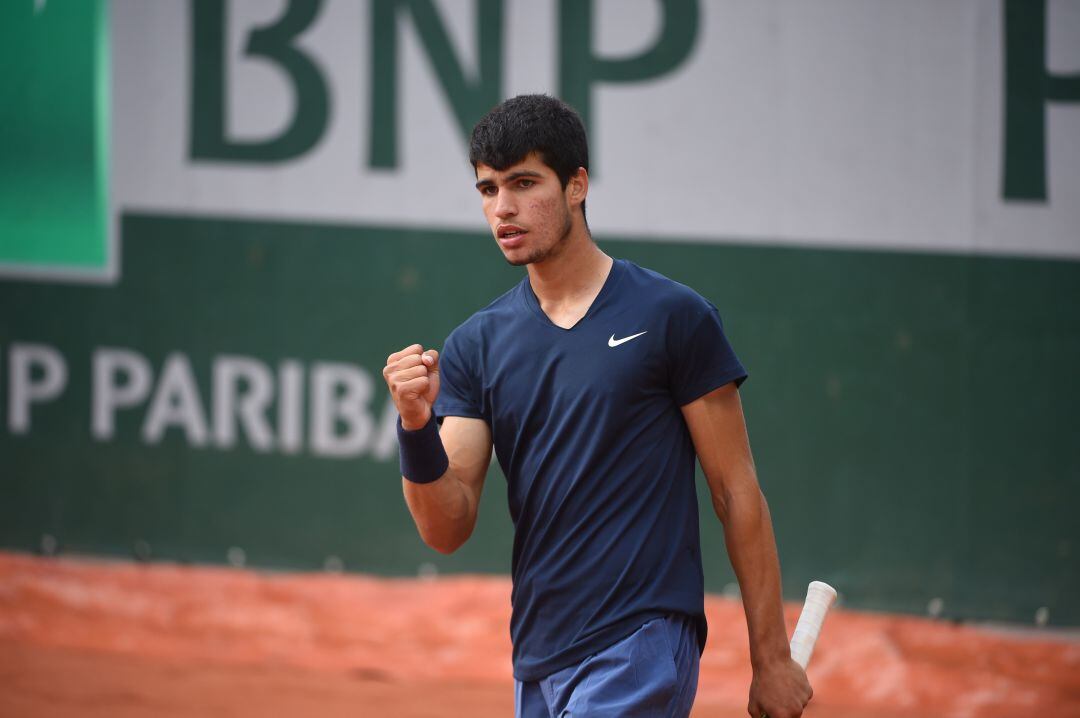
(533,302)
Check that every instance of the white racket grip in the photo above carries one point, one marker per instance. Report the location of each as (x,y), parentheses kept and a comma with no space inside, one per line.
(819,599)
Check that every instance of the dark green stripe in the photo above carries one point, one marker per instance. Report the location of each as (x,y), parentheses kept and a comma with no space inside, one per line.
(912,416)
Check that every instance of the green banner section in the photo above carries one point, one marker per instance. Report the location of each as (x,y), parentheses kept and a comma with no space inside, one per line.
(912,416)
(54,146)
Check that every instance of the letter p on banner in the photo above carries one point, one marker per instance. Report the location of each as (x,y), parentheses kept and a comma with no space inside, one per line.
(36,373)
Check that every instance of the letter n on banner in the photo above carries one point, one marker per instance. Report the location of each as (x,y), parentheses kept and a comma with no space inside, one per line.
(469,99)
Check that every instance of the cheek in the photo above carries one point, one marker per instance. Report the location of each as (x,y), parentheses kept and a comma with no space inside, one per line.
(544,208)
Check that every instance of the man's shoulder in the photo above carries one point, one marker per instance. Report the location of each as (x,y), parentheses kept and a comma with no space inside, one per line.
(663,292)
(481,323)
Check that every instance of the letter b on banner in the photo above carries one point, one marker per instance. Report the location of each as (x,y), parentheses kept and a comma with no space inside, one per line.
(340,423)
(273,44)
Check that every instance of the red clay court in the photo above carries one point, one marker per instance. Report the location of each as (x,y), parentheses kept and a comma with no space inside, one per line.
(81,637)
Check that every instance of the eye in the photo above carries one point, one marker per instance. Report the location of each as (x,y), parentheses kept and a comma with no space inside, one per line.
(489,190)
(526,183)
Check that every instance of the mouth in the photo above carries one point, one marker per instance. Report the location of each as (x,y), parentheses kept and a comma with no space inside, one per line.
(510,235)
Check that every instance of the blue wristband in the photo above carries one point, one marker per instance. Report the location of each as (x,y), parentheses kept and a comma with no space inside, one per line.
(423,458)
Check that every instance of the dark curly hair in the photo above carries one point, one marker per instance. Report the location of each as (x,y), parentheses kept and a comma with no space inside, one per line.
(532,123)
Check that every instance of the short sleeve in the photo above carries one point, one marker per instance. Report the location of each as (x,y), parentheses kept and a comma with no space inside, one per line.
(459,392)
(700,357)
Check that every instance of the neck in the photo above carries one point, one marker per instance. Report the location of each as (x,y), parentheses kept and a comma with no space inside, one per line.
(579,270)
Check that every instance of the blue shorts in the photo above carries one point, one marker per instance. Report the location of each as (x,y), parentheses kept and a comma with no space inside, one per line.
(651,672)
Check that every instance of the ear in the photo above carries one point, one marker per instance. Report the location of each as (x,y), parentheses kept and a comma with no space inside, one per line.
(578,187)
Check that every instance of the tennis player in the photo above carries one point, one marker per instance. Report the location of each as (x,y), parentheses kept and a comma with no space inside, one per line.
(598,383)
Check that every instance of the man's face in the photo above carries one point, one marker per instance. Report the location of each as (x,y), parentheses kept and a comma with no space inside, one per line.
(527,209)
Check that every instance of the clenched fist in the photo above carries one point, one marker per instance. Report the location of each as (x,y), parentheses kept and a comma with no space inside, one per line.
(413,377)
(779,690)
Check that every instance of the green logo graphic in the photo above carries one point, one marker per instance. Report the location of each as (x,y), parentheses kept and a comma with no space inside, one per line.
(54,150)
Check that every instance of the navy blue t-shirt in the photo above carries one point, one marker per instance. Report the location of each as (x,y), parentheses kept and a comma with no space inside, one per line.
(587,428)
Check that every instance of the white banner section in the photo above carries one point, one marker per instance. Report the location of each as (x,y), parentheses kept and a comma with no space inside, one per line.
(838,123)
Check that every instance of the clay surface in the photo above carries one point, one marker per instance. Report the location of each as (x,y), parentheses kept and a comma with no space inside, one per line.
(88,637)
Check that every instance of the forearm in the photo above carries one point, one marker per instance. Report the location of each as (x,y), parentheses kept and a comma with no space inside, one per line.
(444,506)
(444,511)
(751,548)
(779,686)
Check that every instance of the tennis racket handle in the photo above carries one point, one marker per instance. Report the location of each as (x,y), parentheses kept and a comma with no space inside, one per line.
(820,597)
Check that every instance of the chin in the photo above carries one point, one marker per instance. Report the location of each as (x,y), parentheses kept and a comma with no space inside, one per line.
(518,261)
(524,257)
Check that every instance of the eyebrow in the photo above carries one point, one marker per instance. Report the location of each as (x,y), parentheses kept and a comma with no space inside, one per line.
(509,178)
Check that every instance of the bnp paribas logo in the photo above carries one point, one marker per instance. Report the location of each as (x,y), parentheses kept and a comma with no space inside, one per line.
(67,173)
(54,219)
(66,169)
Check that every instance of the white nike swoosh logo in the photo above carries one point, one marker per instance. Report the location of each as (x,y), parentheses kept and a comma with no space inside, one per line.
(613,342)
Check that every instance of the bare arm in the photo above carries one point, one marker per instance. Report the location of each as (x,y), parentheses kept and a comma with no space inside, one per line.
(444,510)
(718,430)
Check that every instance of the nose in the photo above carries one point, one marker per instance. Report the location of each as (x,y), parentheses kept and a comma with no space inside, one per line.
(505,205)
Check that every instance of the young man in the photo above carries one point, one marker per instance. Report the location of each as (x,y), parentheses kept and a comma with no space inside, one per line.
(598,382)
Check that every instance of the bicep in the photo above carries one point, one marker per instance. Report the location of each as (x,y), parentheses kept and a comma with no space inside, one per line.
(467,443)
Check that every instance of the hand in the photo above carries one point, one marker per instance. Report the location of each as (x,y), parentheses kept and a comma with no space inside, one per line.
(779,690)
(413,377)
